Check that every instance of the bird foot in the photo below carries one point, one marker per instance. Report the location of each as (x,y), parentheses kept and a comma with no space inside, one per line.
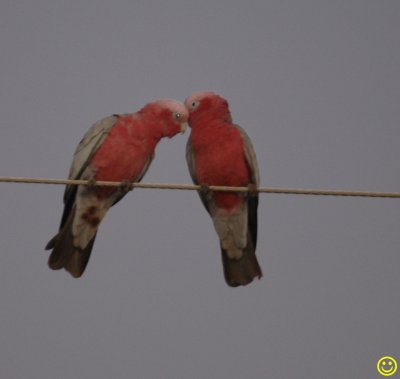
(252,189)
(91,183)
(125,187)
(205,188)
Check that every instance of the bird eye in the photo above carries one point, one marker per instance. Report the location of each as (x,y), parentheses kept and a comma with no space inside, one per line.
(177,116)
(194,105)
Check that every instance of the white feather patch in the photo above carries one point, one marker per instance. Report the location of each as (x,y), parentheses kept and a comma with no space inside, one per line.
(231,228)
(89,213)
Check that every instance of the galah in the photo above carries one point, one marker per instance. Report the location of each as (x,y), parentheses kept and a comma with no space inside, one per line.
(220,153)
(117,148)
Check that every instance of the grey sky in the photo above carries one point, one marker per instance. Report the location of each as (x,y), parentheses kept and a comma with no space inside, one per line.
(316,86)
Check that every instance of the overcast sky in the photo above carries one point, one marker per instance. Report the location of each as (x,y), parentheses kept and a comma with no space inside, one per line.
(315,84)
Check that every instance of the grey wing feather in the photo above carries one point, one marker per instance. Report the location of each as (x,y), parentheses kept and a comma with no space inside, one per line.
(86,148)
(83,153)
(250,155)
(191,162)
(252,201)
(190,159)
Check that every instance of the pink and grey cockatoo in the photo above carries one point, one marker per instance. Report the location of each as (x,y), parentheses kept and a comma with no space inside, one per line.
(117,148)
(220,153)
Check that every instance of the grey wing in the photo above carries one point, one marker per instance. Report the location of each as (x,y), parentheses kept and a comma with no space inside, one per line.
(86,148)
(191,162)
(252,200)
(190,159)
(250,155)
(83,153)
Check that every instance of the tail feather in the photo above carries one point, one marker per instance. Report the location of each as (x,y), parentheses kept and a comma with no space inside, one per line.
(65,254)
(79,259)
(240,272)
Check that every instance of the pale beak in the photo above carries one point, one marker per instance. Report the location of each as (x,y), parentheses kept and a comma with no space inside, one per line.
(184,125)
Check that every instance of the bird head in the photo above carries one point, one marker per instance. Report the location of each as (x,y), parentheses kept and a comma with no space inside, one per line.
(207,104)
(171,115)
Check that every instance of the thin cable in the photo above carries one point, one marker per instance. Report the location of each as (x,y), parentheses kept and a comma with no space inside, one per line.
(286,191)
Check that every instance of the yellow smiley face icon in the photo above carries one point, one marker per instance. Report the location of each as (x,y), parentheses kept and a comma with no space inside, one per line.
(386,366)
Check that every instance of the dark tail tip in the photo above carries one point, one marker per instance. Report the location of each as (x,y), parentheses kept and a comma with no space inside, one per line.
(240,272)
(66,255)
(50,245)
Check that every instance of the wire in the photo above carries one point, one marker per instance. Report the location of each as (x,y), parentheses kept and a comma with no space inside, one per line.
(286,191)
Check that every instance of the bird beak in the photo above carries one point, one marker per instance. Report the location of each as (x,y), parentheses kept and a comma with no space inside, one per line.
(184,125)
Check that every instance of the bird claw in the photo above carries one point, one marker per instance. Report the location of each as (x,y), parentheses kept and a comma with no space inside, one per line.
(204,188)
(252,189)
(125,187)
(91,183)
